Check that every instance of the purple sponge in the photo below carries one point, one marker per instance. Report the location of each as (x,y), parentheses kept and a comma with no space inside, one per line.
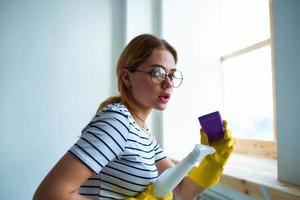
(212,125)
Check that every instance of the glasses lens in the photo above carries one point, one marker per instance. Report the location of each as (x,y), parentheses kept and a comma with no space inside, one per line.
(158,75)
(176,78)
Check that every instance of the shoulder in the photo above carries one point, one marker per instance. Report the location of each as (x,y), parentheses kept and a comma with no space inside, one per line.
(116,115)
(116,107)
(118,110)
(115,110)
(120,113)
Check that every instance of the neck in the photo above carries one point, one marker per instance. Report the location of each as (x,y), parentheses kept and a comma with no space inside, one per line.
(139,114)
(140,117)
(139,120)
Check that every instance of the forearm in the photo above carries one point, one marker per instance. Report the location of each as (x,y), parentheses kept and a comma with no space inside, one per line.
(187,189)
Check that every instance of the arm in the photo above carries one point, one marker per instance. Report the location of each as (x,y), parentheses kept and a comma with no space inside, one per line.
(186,189)
(63,180)
(209,170)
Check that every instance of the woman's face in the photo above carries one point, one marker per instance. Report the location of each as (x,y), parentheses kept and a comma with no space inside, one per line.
(144,91)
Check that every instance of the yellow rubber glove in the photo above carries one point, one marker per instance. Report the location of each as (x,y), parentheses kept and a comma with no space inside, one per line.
(147,194)
(209,172)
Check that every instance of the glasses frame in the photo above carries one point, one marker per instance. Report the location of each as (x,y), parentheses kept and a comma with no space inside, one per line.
(151,72)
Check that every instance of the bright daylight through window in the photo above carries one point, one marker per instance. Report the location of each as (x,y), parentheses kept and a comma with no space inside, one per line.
(224,50)
(247,68)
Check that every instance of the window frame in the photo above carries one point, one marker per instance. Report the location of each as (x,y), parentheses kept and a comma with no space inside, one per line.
(260,148)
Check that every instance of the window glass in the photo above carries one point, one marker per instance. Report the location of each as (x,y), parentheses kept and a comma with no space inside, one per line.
(248,99)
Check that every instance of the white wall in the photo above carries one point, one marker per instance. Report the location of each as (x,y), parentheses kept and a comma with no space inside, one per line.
(57,60)
(138,18)
(287,80)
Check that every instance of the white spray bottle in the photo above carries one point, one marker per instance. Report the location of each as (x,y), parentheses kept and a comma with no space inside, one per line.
(168,180)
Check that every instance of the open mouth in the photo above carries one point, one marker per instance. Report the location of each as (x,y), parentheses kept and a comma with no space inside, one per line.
(164,97)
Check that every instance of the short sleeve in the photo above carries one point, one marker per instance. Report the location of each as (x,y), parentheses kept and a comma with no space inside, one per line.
(102,140)
(159,153)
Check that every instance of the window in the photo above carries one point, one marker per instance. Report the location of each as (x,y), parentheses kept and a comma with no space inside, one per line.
(224,53)
(247,74)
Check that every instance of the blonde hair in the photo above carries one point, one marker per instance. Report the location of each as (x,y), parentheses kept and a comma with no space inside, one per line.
(135,53)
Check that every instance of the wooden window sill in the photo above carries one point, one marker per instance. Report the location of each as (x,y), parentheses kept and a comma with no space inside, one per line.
(257,176)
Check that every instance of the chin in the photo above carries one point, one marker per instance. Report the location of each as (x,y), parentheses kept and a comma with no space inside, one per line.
(161,107)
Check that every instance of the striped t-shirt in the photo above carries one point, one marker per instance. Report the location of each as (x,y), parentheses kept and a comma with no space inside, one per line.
(121,155)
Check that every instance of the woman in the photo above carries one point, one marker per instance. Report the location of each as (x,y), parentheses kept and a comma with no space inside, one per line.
(116,156)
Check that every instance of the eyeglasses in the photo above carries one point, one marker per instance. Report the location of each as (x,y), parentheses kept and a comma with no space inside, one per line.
(158,75)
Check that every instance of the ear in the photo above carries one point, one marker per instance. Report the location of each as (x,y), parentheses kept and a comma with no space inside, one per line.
(125,76)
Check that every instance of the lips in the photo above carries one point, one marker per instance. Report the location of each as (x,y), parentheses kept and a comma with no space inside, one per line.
(164,97)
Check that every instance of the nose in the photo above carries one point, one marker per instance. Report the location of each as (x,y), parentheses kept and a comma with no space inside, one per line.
(166,83)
